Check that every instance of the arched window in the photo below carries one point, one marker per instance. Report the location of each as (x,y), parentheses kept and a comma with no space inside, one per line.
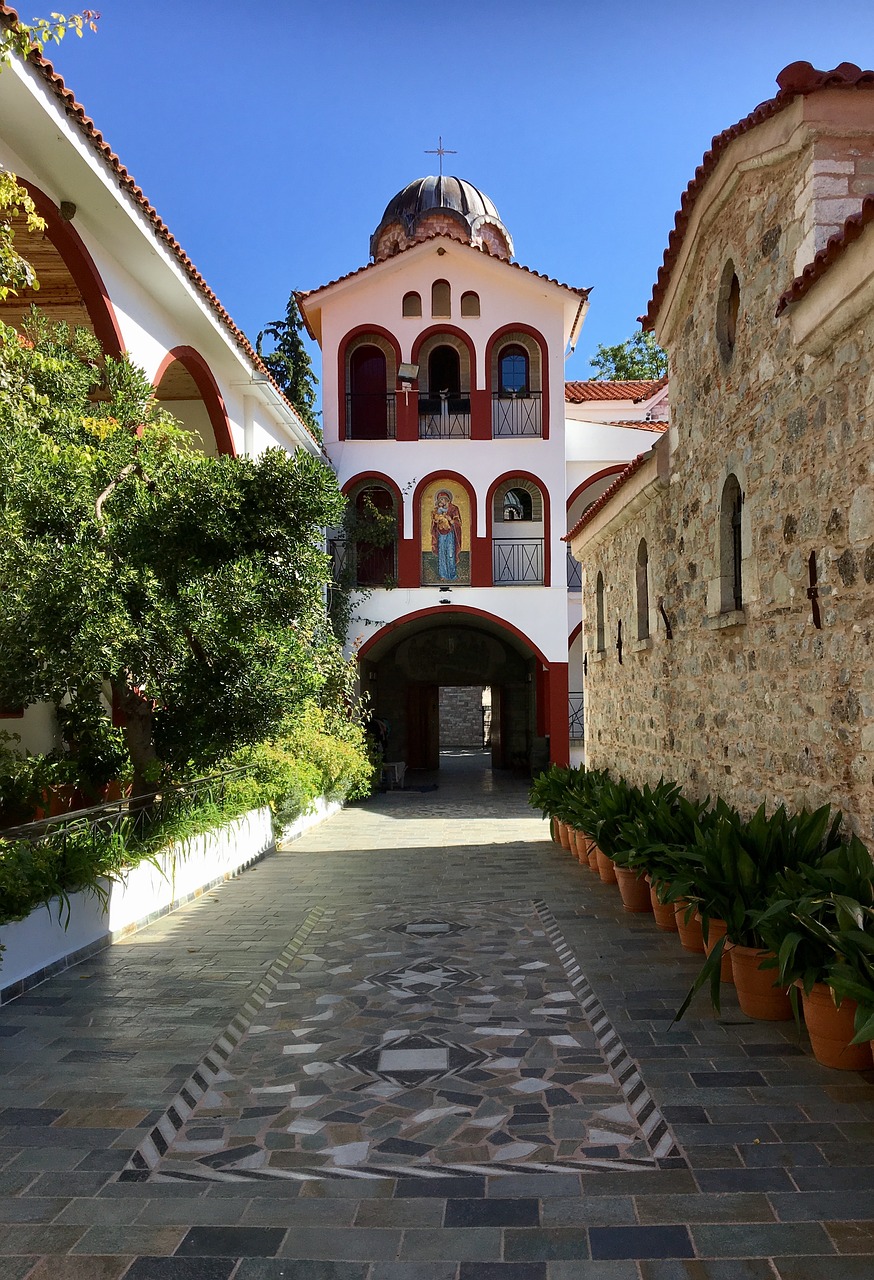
(600,643)
(470,304)
(375,538)
(517,505)
(367,408)
(731,546)
(642,574)
(412,305)
(727,311)
(513,371)
(441,298)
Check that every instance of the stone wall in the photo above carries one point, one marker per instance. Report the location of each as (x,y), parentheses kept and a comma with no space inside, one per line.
(761,704)
(461,716)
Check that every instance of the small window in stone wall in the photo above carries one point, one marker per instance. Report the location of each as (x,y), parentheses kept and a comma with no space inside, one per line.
(412,304)
(441,298)
(642,583)
(600,642)
(470,304)
(727,311)
(731,546)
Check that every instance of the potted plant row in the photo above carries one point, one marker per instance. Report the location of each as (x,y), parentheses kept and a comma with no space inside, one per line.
(781,904)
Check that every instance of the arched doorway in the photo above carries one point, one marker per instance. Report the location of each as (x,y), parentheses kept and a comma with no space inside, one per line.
(422,669)
(368,405)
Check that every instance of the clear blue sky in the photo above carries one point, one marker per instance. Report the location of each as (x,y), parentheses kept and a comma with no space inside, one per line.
(270,136)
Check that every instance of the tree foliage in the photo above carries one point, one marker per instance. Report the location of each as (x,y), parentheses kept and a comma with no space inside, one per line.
(639,356)
(192,584)
(290,365)
(21,38)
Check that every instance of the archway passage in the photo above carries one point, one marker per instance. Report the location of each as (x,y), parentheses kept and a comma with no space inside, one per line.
(415,670)
(186,386)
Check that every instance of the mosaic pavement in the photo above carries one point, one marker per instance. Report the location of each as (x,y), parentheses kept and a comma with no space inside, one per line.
(387,1042)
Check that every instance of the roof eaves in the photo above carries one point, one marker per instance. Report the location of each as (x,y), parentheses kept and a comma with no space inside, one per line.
(834,248)
(622,479)
(798,79)
(77,113)
(307,294)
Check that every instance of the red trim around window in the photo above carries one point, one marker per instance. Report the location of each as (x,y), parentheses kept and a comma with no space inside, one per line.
(538,337)
(547,516)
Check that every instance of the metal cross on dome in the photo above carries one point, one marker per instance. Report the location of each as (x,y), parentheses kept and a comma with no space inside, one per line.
(441,151)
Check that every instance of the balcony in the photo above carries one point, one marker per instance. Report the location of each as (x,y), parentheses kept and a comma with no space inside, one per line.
(574,573)
(575,716)
(370,415)
(444,417)
(516,416)
(517,562)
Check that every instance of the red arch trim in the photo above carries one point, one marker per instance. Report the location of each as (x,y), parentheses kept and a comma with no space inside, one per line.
(342,348)
(451,330)
(442,611)
(599,475)
(376,477)
(547,515)
(206,384)
(573,635)
(544,364)
(83,269)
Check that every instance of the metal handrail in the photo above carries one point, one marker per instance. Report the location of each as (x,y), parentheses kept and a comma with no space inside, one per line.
(575,717)
(112,813)
(516,415)
(574,573)
(517,562)
(364,400)
(444,417)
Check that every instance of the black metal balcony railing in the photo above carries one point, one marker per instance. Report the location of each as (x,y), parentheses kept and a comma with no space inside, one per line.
(444,417)
(370,415)
(575,716)
(362,564)
(574,573)
(516,415)
(517,562)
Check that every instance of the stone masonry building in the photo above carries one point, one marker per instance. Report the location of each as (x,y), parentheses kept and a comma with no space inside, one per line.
(728,573)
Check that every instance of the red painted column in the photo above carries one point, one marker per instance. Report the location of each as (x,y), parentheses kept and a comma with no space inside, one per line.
(409,565)
(559,731)
(481,415)
(407,414)
(480,563)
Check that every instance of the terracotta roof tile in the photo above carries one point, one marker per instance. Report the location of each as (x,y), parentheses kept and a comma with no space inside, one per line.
(658,427)
(303,295)
(77,113)
(636,390)
(834,248)
(799,78)
(623,477)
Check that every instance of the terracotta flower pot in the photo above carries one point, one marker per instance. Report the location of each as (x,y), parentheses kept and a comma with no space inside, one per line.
(758,994)
(593,856)
(665,916)
(831,1029)
(606,870)
(715,931)
(633,889)
(553,831)
(564,834)
(577,845)
(691,937)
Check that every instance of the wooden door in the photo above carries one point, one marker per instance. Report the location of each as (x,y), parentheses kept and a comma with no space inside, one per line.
(369,397)
(423,726)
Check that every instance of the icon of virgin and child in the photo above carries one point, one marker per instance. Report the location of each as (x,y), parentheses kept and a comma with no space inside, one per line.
(446,535)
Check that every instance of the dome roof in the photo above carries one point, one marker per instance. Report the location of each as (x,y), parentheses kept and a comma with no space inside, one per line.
(441,202)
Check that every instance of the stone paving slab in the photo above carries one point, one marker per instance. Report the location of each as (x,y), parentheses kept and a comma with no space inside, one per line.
(773,1176)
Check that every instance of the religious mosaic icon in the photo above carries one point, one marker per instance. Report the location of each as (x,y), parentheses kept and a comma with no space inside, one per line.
(445,534)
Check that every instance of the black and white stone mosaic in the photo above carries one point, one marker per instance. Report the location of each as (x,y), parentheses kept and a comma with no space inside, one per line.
(383,1044)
